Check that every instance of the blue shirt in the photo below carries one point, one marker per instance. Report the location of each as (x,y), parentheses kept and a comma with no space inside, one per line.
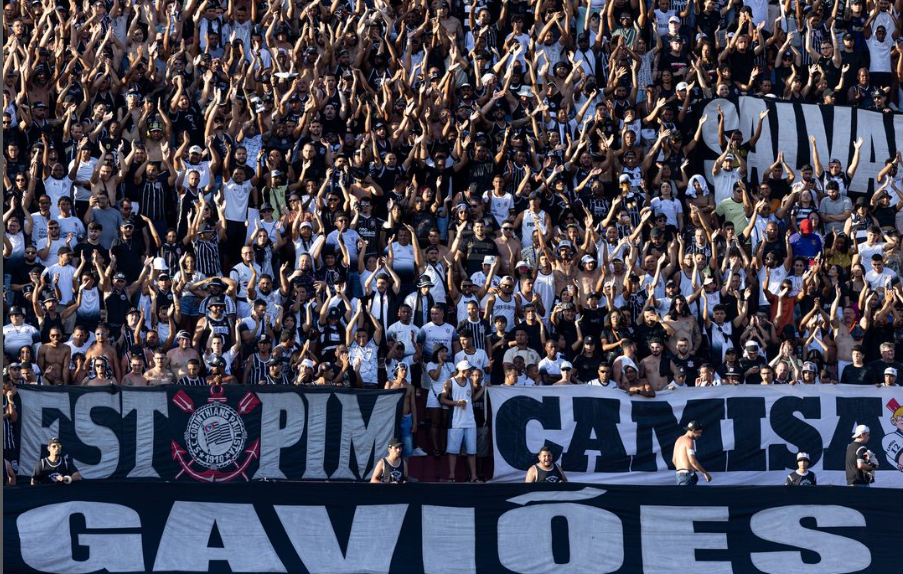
(805,245)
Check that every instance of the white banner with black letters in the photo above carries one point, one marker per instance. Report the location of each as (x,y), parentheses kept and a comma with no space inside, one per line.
(787,129)
(752,433)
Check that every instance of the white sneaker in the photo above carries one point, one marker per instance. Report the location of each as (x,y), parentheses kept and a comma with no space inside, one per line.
(418,452)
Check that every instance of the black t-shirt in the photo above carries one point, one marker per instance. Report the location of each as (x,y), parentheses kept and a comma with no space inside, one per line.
(85,251)
(46,472)
(856,451)
(691,363)
(746,364)
(475,251)
(853,375)
(587,367)
(797,479)
(876,370)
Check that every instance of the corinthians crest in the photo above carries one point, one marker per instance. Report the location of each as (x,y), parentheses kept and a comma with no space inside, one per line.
(215,437)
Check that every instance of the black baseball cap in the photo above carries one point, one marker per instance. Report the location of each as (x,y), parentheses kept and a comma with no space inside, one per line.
(693,426)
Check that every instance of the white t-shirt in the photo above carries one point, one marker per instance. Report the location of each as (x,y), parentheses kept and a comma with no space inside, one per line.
(724,184)
(478,360)
(84,173)
(14,338)
(499,207)
(406,334)
(879,280)
(237,196)
(880,53)
(55,189)
(433,335)
(866,251)
(203,169)
(669,207)
(72,225)
(66,272)
(778,274)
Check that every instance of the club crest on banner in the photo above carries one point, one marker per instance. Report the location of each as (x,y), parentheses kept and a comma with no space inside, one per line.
(893,441)
(215,437)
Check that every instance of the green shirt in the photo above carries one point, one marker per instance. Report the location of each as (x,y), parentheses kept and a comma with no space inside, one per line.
(735,213)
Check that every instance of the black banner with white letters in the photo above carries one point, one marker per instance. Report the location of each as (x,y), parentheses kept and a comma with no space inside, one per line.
(449,529)
(210,434)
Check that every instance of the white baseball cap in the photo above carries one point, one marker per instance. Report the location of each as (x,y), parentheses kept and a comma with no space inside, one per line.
(890,371)
(802,456)
(464,366)
(860,430)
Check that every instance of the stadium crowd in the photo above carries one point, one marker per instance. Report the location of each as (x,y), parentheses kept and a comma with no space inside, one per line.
(441,196)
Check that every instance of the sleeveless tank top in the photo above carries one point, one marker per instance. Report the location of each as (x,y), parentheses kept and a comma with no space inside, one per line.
(393,474)
(461,307)
(258,369)
(218,327)
(529,224)
(505,309)
(553,475)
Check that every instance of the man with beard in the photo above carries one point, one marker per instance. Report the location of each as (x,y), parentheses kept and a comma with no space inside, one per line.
(649,329)
(57,184)
(127,251)
(214,322)
(103,218)
(53,359)
(655,368)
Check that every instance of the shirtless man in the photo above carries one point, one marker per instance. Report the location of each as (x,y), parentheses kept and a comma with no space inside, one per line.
(509,248)
(651,367)
(135,378)
(634,385)
(100,378)
(53,359)
(179,357)
(843,334)
(103,348)
(684,458)
(159,374)
(680,324)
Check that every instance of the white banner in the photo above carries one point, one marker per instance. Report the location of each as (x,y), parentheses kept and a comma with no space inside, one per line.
(752,433)
(787,129)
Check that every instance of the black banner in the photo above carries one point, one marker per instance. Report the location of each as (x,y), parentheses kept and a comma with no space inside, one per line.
(210,434)
(449,529)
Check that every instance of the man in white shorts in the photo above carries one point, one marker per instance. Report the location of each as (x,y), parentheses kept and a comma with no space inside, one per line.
(459,394)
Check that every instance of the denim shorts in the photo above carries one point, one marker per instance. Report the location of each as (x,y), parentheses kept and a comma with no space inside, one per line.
(687,479)
(467,435)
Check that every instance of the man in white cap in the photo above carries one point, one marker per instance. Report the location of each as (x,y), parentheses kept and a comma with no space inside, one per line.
(890,377)
(860,461)
(194,163)
(725,176)
(459,393)
(802,476)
